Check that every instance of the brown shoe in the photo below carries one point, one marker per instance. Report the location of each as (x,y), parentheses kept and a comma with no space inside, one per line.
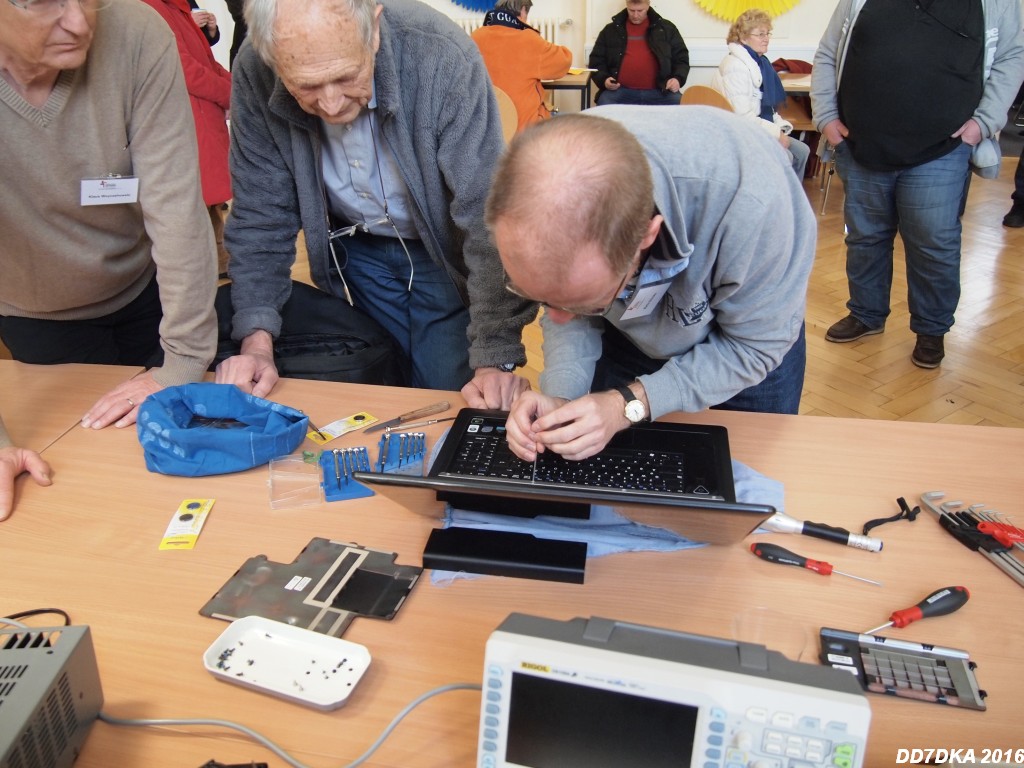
(850,329)
(928,352)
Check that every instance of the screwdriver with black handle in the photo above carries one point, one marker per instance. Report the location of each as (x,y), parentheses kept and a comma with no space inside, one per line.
(938,603)
(773,553)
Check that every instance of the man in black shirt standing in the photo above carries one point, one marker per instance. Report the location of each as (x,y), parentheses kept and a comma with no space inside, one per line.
(903,90)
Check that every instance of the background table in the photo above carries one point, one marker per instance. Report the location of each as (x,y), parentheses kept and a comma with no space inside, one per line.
(39,403)
(88,544)
(794,82)
(572,82)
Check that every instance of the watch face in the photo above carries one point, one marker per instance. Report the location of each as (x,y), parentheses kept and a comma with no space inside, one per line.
(635,411)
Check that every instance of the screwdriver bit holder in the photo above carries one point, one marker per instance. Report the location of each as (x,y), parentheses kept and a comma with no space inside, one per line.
(337,467)
(401,452)
(964,524)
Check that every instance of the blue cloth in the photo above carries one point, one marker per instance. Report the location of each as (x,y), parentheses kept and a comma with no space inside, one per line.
(645,96)
(212,429)
(922,204)
(429,322)
(607,532)
(772,92)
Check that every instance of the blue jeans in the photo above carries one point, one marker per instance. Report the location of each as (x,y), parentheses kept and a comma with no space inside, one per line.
(798,153)
(429,322)
(922,204)
(649,97)
(779,392)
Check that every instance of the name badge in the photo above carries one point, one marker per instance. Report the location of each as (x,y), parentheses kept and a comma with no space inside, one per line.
(110,190)
(645,300)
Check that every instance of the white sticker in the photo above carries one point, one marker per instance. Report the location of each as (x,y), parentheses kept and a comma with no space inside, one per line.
(110,190)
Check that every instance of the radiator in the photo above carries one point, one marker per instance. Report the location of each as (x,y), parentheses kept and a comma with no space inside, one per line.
(548,26)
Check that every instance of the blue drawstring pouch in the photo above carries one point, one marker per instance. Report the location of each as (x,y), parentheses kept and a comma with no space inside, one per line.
(212,429)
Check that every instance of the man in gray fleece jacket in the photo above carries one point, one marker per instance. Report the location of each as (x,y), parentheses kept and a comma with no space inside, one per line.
(373,129)
(678,283)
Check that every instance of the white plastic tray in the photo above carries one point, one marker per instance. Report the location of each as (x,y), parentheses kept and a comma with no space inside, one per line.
(289,662)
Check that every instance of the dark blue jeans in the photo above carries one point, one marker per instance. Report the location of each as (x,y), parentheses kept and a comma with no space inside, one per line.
(129,336)
(621,363)
(923,204)
(649,97)
(429,322)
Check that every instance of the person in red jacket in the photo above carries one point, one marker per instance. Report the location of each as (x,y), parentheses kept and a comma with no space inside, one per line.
(518,58)
(209,90)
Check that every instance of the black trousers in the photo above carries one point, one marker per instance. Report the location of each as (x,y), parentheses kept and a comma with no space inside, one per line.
(129,336)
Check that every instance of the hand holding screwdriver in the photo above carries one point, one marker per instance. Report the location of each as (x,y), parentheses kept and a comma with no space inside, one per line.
(773,553)
(938,603)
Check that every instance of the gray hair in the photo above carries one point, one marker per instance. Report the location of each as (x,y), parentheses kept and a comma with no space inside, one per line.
(514,6)
(261,17)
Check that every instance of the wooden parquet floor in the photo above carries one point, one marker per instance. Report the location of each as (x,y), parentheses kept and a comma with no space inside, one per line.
(981,380)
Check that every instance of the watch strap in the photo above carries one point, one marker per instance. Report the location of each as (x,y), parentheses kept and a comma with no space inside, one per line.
(627,393)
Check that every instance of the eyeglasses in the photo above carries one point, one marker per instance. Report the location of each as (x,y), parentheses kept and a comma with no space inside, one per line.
(364,228)
(578,311)
(52,9)
(761,35)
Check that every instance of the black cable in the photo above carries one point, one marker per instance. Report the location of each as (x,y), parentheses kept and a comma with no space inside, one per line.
(40,612)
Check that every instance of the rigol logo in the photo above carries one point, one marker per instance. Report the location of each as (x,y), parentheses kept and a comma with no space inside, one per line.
(536,667)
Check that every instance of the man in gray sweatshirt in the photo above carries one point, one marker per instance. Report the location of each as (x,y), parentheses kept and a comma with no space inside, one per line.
(671,250)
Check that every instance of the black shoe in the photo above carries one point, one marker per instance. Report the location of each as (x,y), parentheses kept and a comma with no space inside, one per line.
(850,329)
(1015,218)
(928,352)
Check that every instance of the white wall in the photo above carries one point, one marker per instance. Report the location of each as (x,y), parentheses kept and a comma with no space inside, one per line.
(795,35)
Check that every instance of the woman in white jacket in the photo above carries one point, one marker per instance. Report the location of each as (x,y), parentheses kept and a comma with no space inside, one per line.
(754,89)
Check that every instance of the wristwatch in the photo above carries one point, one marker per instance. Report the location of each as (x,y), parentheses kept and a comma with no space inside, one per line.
(634,411)
(506,367)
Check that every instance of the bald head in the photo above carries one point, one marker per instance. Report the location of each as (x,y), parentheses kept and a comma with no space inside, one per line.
(570,181)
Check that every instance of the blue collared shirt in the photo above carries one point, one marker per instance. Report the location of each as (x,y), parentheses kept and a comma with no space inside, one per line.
(359,180)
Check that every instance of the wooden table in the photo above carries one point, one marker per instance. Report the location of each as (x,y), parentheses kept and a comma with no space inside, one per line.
(88,544)
(794,82)
(39,403)
(579,81)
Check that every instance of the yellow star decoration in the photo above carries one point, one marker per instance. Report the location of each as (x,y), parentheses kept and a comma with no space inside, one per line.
(730,9)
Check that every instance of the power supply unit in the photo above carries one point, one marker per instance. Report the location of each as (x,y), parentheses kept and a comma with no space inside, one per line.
(49,695)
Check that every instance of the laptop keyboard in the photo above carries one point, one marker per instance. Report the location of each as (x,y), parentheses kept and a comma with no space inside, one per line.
(485,453)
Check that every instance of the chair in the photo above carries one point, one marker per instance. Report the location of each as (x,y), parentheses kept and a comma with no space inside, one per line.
(509,115)
(706,96)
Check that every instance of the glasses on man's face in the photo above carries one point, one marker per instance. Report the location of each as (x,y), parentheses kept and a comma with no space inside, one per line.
(52,9)
(578,311)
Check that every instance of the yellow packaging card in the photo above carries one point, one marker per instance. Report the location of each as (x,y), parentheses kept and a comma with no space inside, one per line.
(340,427)
(183,530)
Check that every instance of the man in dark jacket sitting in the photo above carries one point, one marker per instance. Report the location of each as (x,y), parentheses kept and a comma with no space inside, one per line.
(639,58)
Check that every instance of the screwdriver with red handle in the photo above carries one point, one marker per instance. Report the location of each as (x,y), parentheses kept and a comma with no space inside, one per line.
(938,603)
(773,553)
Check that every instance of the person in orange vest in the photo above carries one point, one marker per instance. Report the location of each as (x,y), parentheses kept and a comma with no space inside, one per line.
(518,58)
